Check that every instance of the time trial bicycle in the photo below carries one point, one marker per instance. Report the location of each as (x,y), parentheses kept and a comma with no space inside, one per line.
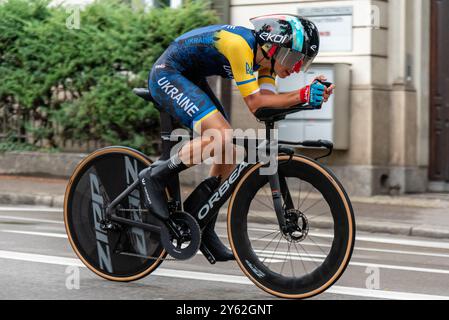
(292,232)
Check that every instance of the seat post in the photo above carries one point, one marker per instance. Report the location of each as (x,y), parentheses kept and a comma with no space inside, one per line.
(166,121)
(166,130)
(269,125)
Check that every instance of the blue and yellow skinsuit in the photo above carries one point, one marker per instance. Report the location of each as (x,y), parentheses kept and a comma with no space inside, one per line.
(178,79)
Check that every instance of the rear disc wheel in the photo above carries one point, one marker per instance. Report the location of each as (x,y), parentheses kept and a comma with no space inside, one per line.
(113,251)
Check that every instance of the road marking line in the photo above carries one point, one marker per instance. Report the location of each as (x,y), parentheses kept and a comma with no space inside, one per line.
(279,255)
(428,254)
(31,209)
(30,219)
(33,233)
(405,242)
(315,258)
(34,257)
(382,294)
(215,277)
(416,253)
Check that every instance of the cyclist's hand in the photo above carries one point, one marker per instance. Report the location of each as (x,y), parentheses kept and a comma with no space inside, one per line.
(329,87)
(328,92)
(313,94)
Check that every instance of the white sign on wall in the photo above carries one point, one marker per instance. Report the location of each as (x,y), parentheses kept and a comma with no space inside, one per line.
(335,26)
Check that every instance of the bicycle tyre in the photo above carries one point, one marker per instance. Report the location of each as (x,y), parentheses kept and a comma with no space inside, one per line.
(341,249)
(110,170)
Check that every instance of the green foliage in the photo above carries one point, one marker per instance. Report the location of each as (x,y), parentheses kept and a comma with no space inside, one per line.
(12,143)
(77,82)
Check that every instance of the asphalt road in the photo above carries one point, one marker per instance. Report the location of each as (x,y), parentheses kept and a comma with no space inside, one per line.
(37,262)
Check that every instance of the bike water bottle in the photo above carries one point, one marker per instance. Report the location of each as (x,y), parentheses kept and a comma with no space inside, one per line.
(205,190)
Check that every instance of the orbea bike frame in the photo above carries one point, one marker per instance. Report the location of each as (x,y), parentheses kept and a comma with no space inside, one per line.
(211,206)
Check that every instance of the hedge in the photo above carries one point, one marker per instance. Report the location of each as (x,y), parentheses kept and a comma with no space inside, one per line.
(76,82)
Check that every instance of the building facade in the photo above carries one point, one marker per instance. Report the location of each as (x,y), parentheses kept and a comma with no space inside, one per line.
(398,88)
(398,115)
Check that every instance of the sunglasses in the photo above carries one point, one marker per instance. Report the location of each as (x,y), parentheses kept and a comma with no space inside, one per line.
(290,58)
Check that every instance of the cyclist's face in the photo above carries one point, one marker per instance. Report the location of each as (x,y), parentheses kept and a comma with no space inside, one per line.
(283,71)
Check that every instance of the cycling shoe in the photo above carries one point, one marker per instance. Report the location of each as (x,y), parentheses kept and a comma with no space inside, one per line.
(155,198)
(210,238)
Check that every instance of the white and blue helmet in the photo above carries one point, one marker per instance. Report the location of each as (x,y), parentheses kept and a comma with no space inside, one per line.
(292,40)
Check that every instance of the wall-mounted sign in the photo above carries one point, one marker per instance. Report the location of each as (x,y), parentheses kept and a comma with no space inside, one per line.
(334,24)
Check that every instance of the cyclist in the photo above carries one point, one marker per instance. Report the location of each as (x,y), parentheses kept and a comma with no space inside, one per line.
(280,45)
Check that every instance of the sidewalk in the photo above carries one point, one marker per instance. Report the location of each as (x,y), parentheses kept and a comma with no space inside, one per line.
(423,215)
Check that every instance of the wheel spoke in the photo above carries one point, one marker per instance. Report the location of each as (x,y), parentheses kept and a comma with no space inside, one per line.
(264,204)
(318,201)
(262,218)
(302,261)
(319,215)
(307,253)
(305,199)
(299,193)
(291,264)
(259,239)
(286,257)
(263,250)
(316,244)
(275,250)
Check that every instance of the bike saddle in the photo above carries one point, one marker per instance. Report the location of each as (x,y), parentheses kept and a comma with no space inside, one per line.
(144,93)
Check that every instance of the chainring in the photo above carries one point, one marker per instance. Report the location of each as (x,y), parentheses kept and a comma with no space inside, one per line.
(188,244)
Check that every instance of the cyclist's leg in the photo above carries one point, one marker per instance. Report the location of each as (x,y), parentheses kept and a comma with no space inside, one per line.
(215,141)
(222,167)
(185,101)
(222,132)
(174,93)
(170,88)
(225,167)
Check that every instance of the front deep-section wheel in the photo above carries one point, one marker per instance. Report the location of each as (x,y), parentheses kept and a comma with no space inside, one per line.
(311,253)
(119,253)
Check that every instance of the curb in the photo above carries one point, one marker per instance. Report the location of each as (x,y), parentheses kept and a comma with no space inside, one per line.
(36,200)
(407,201)
(426,231)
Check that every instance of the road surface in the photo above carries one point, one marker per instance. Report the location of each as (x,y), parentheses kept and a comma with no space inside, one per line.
(37,262)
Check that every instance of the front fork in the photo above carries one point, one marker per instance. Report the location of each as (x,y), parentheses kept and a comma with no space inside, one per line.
(280,193)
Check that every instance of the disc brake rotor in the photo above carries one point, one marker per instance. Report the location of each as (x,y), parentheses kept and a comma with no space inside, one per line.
(186,245)
(298,226)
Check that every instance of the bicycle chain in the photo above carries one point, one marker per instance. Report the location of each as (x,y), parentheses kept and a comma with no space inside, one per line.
(134,210)
(147,257)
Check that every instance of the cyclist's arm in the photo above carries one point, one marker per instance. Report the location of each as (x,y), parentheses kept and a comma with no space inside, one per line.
(267,82)
(282,100)
(267,95)
(285,100)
